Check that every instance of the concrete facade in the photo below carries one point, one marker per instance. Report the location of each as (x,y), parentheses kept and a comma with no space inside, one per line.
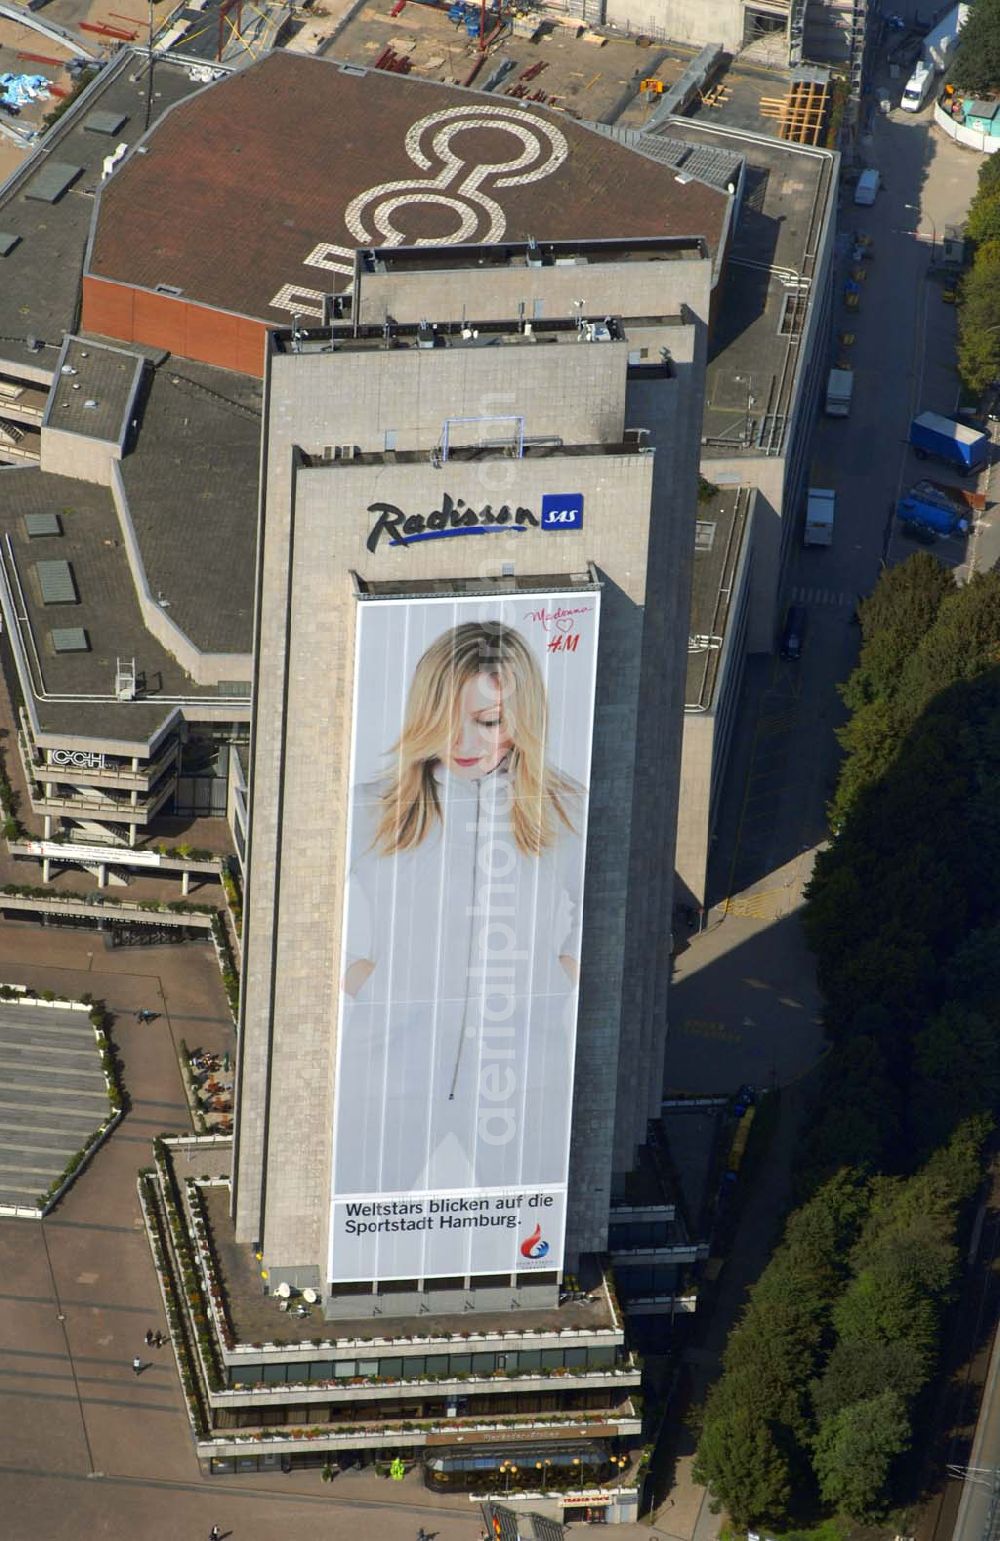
(720,613)
(626,434)
(680,21)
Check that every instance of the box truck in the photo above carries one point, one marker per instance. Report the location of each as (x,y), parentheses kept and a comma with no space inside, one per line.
(939,44)
(960,446)
(821,504)
(839,389)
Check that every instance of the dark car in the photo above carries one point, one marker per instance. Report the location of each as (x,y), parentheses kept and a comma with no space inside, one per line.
(918,532)
(793,632)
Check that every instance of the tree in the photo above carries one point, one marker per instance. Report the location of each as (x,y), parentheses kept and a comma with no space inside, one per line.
(956,1072)
(757,1427)
(976,67)
(973,973)
(978,315)
(989,177)
(855,1120)
(983,222)
(963,642)
(857,1370)
(894,618)
(740,1459)
(854,1453)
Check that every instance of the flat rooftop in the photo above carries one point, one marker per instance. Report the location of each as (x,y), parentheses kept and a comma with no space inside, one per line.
(191,484)
(766,295)
(191,488)
(94,390)
(105,607)
(40,276)
(720,533)
(253,195)
(470,335)
(525,254)
(255,1318)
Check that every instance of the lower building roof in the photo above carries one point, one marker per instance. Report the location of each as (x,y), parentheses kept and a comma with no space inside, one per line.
(261,188)
(191,484)
(720,535)
(190,493)
(45,230)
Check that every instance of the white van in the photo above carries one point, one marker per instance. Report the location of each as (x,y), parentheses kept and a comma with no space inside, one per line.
(867,186)
(917,88)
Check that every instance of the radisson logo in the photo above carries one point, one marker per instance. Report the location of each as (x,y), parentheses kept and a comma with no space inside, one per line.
(454,517)
(560,512)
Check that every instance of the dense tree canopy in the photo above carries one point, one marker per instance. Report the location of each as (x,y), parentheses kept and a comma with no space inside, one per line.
(827,1370)
(976,66)
(854,1453)
(979,311)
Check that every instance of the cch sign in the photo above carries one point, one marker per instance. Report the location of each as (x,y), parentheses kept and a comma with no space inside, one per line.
(560,512)
(78,759)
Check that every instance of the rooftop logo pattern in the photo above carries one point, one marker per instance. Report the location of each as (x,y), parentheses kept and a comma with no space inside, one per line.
(378,215)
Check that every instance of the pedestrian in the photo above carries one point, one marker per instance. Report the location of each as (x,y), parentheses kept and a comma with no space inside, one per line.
(137,1365)
(215,1534)
(159,1340)
(149,1337)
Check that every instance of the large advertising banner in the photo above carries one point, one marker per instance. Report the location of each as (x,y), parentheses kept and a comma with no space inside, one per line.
(470,777)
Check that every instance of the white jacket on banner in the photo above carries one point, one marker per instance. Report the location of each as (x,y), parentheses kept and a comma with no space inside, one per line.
(455,1061)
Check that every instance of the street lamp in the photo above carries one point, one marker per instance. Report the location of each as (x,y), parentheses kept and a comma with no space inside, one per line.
(619,1462)
(509,1470)
(543,1467)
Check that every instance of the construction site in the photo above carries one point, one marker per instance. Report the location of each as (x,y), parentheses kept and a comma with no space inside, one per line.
(537,55)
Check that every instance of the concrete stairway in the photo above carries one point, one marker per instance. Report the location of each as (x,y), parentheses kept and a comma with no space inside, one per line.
(52,1096)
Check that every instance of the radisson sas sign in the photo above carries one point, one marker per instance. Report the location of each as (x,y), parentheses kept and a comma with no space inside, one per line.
(560,512)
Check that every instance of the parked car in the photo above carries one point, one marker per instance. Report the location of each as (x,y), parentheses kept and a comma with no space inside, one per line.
(793,632)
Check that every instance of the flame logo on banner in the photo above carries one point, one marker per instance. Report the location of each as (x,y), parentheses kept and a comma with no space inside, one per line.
(534,1247)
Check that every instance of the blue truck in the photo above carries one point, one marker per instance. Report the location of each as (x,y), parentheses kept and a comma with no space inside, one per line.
(959,445)
(930,507)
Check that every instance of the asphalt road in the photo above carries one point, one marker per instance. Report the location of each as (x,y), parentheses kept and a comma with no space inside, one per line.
(745,1006)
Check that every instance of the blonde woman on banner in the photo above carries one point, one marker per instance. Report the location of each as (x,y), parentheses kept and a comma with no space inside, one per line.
(463,925)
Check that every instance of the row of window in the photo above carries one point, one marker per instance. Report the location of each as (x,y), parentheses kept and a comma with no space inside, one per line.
(438,1408)
(525,1361)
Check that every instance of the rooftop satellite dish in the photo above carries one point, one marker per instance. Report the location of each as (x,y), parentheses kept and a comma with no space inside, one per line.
(310,1297)
(283,1291)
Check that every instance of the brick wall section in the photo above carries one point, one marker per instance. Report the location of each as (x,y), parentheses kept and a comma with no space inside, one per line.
(174,324)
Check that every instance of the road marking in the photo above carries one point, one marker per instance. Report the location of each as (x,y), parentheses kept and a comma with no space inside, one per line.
(836,597)
(699,1027)
(765,905)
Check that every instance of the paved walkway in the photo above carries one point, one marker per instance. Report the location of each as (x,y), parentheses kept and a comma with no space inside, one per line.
(88,1449)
